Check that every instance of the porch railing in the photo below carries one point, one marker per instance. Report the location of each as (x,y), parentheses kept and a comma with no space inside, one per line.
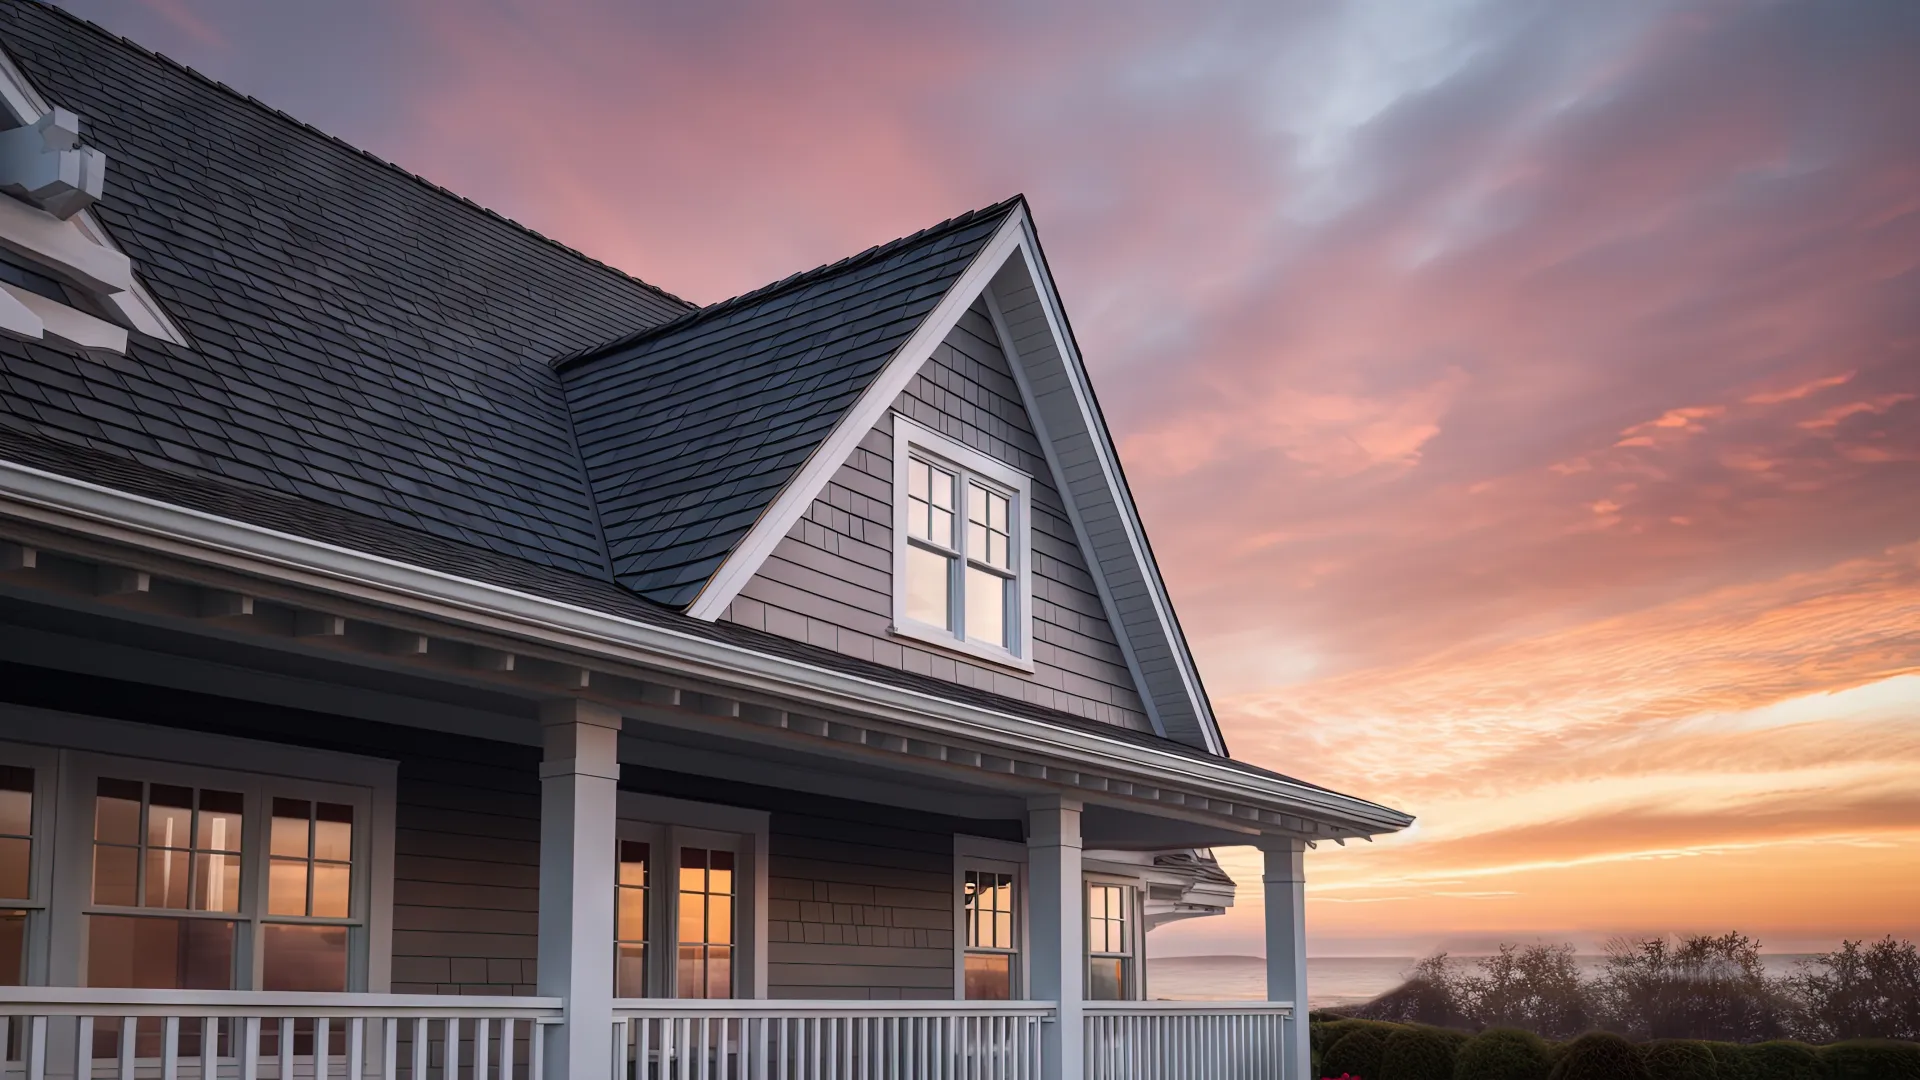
(48,1033)
(1181,1040)
(828,1040)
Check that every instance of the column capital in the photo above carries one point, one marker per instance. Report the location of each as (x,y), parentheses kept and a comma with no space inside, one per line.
(577,711)
(1285,859)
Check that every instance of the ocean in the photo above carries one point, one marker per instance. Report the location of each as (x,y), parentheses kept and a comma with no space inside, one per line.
(1332,981)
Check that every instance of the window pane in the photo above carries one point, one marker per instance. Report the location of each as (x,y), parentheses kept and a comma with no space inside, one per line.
(689,979)
(719,972)
(116,873)
(166,878)
(15,858)
(290,822)
(159,954)
(216,882)
(333,832)
(720,919)
(693,872)
(287,887)
(13,948)
(693,917)
(986,607)
(989,977)
(941,491)
(170,816)
(633,863)
(219,826)
(630,971)
(721,880)
(1108,979)
(917,484)
(16,801)
(631,916)
(304,958)
(116,812)
(929,578)
(332,890)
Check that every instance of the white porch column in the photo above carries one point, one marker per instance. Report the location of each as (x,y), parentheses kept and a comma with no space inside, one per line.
(579,782)
(1286,888)
(1057,929)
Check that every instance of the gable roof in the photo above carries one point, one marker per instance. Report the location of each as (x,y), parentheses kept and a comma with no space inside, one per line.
(368,346)
(689,430)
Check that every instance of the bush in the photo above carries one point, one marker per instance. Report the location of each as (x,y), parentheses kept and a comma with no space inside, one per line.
(1419,1053)
(1871,1059)
(1780,1061)
(1502,1054)
(1859,992)
(1700,987)
(1536,988)
(1680,1059)
(1600,1055)
(1358,1052)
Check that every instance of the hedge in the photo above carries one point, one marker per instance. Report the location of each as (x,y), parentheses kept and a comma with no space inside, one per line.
(1378,1050)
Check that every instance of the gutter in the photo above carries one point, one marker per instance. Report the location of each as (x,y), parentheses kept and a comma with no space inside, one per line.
(90,509)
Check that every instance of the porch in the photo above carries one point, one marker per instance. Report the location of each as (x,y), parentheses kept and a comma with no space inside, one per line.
(495,789)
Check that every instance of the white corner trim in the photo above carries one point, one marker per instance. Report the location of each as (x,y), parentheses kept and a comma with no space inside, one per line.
(1129,514)
(908,437)
(806,484)
(69,324)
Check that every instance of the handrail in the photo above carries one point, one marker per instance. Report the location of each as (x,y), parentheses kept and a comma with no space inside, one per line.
(826,1007)
(1180,1008)
(101,1001)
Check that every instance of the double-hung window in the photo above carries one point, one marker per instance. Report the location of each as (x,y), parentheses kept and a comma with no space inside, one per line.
(1110,942)
(962,566)
(21,893)
(686,921)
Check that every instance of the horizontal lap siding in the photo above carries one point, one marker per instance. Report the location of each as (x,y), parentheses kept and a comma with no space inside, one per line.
(858,910)
(830,580)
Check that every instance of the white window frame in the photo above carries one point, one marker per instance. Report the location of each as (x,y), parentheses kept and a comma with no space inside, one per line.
(985,855)
(667,825)
(1134,959)
(911,440)
(61,748)
(45,764)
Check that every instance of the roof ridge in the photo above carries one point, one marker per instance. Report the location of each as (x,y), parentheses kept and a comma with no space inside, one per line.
(282,114)
(785,284)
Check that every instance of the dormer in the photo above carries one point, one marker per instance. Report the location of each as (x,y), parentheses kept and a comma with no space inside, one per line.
(61,276)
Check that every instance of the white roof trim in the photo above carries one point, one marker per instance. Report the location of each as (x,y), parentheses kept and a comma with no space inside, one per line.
(88,509)
(134,305)
(806,484)
(1142,619)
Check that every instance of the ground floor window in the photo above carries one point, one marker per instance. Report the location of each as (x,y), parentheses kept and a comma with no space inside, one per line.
(989,909)
(685,918)
(186,867)
(1110,942)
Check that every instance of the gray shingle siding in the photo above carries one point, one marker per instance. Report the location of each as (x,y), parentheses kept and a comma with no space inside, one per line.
(829,581)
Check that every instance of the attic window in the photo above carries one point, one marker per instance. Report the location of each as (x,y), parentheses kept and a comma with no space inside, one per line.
(962,569)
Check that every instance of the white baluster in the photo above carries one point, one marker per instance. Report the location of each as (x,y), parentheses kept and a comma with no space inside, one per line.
(250,1048)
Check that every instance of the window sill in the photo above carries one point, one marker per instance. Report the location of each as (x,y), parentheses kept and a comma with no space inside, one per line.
(946,642)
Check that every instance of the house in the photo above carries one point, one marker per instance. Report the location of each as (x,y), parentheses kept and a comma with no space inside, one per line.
(427,652)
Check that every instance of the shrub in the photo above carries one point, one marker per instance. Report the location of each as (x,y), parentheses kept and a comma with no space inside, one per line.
(1701,987)
(1419,1053)
(1600,1055)
(1680,1059)
(1357,1051)
(1781,1061)
(1536,988)
(1502,1054)
(1859,992)
(1871,1059)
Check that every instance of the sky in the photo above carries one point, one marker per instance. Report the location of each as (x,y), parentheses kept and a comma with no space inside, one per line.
(1523,399)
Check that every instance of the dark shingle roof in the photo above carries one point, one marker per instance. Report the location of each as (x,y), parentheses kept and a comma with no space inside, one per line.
(359,337)
(690,429)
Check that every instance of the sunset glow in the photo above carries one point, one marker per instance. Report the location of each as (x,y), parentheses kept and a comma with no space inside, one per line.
(1523,400)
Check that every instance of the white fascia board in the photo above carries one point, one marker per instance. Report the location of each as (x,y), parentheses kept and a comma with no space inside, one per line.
(54,242)
(806,484)
(1108,461)
(89,509)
